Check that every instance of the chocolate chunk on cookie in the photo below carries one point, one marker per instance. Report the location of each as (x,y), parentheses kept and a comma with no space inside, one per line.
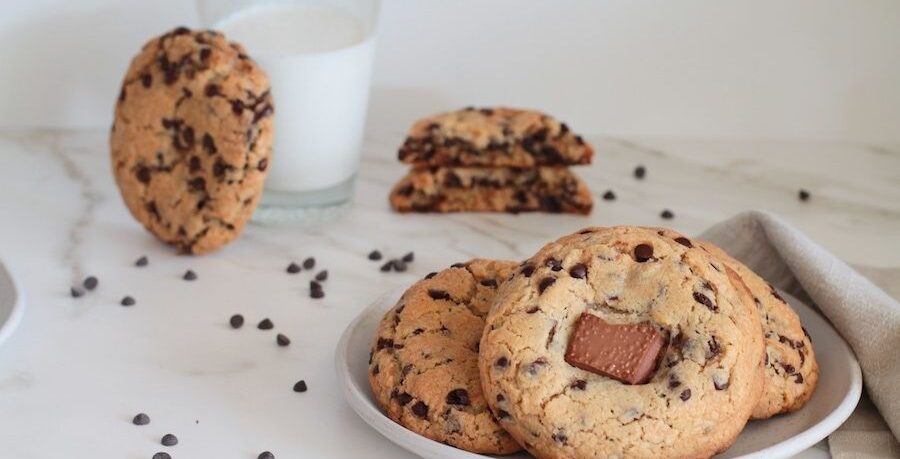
(697,368)
(495,137)
(424,365)
(191,139)
(472,189)
(791,369)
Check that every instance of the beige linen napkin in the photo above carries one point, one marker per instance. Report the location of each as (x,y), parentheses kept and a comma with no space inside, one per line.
(866,316)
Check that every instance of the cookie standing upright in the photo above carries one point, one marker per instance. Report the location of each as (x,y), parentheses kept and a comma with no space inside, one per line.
(707,376)
(792,371)
(424,364)
(192,138)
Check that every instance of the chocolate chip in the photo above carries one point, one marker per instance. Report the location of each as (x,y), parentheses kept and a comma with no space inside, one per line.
(322,275)
(714,348)
(194,166)
(374,255)
(667,214)
(578,271)
(387,266)
(300,386)
(640,172)
(237,107)
(430,275)
(169,440)
(265,324)
(265,455)
(141,419)
(316,293)
(90,283)
(798,378)
(399,265)
(403,398)
(502,362)
(209,144)
(197,183)
(684,241)
(293,268)
(720,384)
(609,196)
(420,409)
(560,438)
(458,265)
(189,275)
(578,384)
(685,395)
(803,195)
(127,301)
(458,397)
(673,382)
(263,164)
(704,300)
(236,321)
(205,53)
(161,455)
(212,90)
(545,282)
(181,30)
(643,252)
(282,340)
(309,263)
(143,174)
(554,264)
(502,414)
(76,292)
(788,368)
(438,294)
(408,258)
(489,282)
(141,262)
(527,270)
(146,80)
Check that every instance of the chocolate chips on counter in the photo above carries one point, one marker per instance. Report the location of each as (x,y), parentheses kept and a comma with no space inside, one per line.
(624,352)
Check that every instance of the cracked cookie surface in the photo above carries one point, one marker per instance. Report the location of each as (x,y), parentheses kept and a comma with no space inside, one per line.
(791,368)
(493,137)
(708,377)
(192,138)
(423,369)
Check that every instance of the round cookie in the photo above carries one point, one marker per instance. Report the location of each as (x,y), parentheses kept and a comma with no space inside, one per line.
(708,375)
(192,138)
(791,368)
(424,364)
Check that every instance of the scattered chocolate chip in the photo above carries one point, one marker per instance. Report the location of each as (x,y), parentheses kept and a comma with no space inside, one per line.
(489,282)
(704,300)
(387,266)
(127,301)
(237,107)
(181,30)
(141,419)
(236,321)
(420,409)
(684,241)
(161,455)
(578,271)
(798,378)
(502,414)
(265,455)
(667,214)
(579,384)
(205,53)
(685,395)
(90,283)
(403,398)
(502,362)
(803,195)
(399,266)
(643,252)
(282,340)
(720,384)
(309,263)
(673,382)
(527,270)
(374,255)
(458,397)
(169,440)
(554,264)
(209,144)
(545,282)
(212,90)
(141,262)
(265,324)
(714,348)
(430,275)
(640,172)
(76,292)
(322,275)
(189,275)
(263,164)
(408,258)
(317,293)
(438,294)
(300,386)
(609,196)
(293,268)
(146,80)
(458,265)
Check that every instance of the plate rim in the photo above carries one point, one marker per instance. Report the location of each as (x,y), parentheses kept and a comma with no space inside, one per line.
(18,308)
(417,443)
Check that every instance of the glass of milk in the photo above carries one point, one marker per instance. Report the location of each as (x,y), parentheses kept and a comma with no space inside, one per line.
(318,55)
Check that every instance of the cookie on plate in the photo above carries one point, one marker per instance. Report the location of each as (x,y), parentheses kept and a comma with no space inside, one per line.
(472,189)
(493,137)
(192,138)
(424,364)
(620,342)
(791,368)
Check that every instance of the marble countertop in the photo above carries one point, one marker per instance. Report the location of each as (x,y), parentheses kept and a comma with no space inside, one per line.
(77,370)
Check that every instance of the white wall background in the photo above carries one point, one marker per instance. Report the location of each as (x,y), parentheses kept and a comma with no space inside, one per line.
(774,69)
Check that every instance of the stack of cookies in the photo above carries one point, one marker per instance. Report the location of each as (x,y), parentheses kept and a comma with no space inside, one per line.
(624,342)
(492,160)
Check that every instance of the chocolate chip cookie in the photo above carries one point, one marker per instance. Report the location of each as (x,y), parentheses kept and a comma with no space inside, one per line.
(192,138)
(791,368)
(680,381)
(493,137)
(424,364)
(472,189)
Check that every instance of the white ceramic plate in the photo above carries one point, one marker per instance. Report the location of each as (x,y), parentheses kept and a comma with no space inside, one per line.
(12,303)
(838,391)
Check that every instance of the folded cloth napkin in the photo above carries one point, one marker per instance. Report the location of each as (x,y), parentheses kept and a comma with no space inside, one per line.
(866,316)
